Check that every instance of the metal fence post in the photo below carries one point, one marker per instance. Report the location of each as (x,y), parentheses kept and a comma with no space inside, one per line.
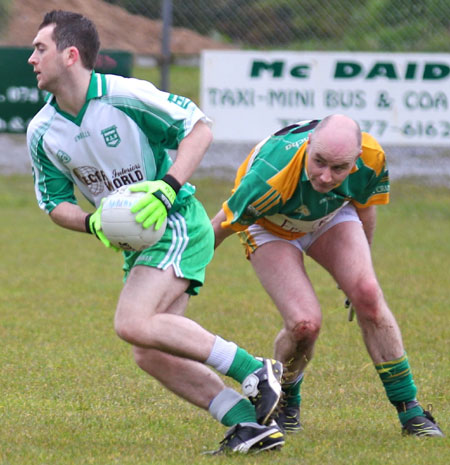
(165,43)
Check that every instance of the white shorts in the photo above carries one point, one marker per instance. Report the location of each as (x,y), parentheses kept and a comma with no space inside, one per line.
(260,235)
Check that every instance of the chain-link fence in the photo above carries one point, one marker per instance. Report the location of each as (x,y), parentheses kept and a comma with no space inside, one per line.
(358,25)
(328,25)
(332,25)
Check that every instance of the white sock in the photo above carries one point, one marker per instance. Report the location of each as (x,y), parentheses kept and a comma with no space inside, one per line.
(222,355)
(223,403)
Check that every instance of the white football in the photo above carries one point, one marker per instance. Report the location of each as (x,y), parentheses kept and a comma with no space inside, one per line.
(119,224)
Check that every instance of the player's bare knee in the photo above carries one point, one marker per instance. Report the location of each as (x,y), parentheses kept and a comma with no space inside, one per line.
(122,330)
(304,329)
(130,330)
(367,299)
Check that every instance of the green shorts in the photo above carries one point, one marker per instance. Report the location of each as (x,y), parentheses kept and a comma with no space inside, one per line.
(187,245)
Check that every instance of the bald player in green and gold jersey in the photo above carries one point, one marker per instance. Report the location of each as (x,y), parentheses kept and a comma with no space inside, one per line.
(312,188)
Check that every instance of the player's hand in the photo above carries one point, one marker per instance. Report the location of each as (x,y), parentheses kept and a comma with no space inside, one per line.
(155,205)
(351,311)
(94,226)
(349,306)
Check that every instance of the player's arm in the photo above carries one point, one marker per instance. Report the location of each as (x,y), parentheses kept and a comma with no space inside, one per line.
(69,216)
(55,194)
(368,217)
(220,233)
(252,198)
(155,206)
(63,210)
(377,190)
(190,152)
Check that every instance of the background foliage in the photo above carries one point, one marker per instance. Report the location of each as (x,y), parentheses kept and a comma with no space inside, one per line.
(359,25)
(5,6)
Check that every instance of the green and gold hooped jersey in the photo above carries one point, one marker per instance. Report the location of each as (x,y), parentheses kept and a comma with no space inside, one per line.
(272,186)
(121,136)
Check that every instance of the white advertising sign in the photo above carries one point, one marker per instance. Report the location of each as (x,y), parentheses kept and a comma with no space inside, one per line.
(400,98)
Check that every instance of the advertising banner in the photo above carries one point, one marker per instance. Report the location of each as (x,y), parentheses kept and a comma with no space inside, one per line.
(400,98)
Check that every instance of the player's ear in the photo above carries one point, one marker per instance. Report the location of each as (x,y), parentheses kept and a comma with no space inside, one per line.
(72,55)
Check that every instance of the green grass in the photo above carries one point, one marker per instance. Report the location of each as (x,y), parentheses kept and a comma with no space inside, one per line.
(71,395)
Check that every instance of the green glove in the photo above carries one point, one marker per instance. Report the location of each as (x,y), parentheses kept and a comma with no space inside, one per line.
(155,205)
(93,224)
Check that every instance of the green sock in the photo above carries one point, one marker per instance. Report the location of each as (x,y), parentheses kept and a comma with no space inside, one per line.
(242,412)
(243,364)
(292,394)
(410,413)
(399,385)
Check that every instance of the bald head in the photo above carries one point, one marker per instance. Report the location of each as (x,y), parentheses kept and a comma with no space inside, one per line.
(332,151)
(337,134)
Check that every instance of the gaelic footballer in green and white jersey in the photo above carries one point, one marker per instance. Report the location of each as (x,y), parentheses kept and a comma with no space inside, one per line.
(272,186)
(120,137)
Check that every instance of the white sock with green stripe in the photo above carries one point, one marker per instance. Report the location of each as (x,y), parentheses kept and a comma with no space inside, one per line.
(230,408)
(229,359)
(222,355)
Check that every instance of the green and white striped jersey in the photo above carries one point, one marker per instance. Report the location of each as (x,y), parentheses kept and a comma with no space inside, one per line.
(121,136)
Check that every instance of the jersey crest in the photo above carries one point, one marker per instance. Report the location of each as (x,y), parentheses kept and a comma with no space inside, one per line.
(111,136)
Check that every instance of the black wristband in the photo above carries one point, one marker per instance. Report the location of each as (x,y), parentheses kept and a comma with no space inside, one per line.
(173,183)
(86,223)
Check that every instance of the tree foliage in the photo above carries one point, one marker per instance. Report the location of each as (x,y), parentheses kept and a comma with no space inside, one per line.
(5,6)
(372,25)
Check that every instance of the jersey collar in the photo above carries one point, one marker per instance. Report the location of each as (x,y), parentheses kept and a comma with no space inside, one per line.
(96,89)
(97,86)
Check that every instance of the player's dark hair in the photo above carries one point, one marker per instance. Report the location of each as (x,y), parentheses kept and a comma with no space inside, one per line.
(73,29)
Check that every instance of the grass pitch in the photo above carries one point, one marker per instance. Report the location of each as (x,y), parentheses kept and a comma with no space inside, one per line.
(71,395)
